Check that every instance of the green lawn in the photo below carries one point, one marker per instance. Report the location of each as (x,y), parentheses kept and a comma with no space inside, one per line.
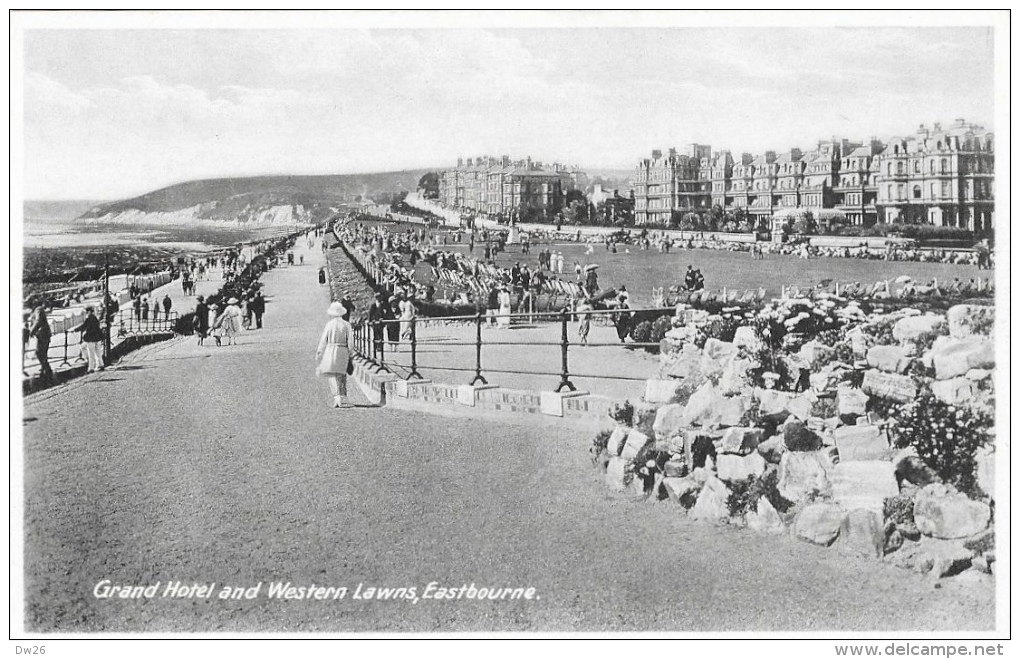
(642,270)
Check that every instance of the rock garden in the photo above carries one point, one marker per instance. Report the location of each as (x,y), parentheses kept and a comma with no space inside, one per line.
(863,427)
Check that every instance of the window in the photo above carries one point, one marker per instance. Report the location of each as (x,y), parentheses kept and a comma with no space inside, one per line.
(944,165)
(899,168)
(889,168)
(931,166)
(917,166)
(932,190)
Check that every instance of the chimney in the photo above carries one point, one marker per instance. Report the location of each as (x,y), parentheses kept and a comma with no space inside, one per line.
(746,158)
(672,152)
(529,163)
(460,162)
(505,161)
(656,154)
(938,126)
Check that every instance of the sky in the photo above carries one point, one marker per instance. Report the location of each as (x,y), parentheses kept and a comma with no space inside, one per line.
(113,113)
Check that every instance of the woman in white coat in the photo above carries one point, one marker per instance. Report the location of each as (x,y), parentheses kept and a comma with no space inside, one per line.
(334,353)
(503,319)
(230,321)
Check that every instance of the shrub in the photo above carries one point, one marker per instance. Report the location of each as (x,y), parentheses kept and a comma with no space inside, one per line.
(899,510)
(642,332)
(601,442)
(623,413)
(661,325)
(744,495)
(946,438)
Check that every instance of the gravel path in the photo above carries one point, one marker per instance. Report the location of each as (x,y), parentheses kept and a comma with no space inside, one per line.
(225,465)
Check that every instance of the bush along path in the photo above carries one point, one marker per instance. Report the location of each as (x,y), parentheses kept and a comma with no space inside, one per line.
(869,432)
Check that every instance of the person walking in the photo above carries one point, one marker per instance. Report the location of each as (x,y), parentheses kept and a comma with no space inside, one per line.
(167,305)
(91,338)
(584,326)
(322,276)
(230,321)
(333,356)
(503,319)
(42,333)
(407,312)
(257,306)
(200,320)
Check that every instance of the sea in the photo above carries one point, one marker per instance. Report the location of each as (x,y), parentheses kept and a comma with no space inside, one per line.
(52,224)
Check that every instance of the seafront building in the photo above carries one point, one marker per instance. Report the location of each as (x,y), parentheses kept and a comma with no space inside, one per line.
(942,176)
(508,189)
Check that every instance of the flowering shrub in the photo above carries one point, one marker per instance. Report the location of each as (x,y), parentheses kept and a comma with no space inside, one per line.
(642,332)
(745,495)
(946,438)
(623,413)
(661,325)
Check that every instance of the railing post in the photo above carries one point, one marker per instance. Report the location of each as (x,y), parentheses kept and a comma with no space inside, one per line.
(414,352)
(478,351)
(65,362)
(564,342)
(381,364)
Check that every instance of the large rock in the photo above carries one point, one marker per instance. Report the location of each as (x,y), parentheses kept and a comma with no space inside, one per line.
(862,533)
(798,437)
(954,391)
(772,449)
(682,490)
(954,357)
(805,474)
(908,329)
(668,420)
(773,403)
(710,409)
(963,318)
(813,352)
(889,385)
(734,378)
(941,512)
(851,402)
(739,440)
(636,442)
(693,367)
(617,440)
(819,523)
(661,391)
(766,519)
(864,484)
(617,476)
(732,467)
(721,350)
(891,359)
(911,469)
(940,558)
(746,337)
(803,405)
(711,503)
(861,443)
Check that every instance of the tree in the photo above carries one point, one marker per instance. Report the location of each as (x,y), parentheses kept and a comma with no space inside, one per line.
(428,185)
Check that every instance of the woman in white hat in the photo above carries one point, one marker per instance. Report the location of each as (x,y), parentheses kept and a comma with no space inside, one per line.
(334,353)
(230,321)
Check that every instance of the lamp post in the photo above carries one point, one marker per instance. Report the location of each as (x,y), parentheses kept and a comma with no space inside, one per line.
(107,307)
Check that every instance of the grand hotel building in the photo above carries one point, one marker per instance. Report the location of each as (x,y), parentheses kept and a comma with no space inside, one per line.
(942,176)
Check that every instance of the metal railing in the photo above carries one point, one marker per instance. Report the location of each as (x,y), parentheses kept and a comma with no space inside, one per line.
(67,353)
(372,341)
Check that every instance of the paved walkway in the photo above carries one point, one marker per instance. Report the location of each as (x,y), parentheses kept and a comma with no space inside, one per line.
(225,465)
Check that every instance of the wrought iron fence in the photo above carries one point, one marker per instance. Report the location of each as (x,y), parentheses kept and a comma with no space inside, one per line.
(373,340)
(66,348)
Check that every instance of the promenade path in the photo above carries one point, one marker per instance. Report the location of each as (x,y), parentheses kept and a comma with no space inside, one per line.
(226,465)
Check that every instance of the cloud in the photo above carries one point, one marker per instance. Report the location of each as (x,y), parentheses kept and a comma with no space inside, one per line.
(43,93)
